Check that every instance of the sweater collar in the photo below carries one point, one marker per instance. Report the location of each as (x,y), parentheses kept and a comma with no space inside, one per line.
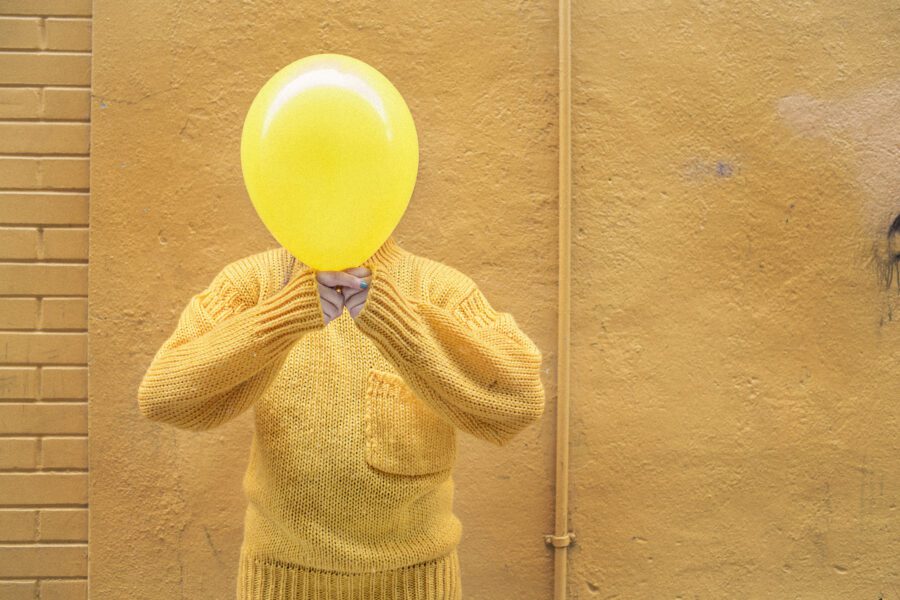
(389,252)
(386,254)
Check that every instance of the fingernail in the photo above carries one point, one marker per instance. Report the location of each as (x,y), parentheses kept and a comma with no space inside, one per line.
(363,284)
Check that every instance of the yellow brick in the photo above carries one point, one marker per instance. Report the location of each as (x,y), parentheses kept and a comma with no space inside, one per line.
(19,383)
(64,383)
(18,453)
(65,560)
(20,32)
(29,279)
(65,173)
(64,313)
(51,69)
(64,453)
(46,7)
(20,173)
(18,590)
(43,488)
(65,243)
(68,34)
(67,103)
(54,418)
(18,242)
(44,138)
(20,103)
(49,208)
(33,173)
(44,347)
(64,589)
(18,313)
(39,347)
(18,525)
(64,525)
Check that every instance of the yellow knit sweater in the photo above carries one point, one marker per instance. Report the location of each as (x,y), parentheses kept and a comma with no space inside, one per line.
(349,481)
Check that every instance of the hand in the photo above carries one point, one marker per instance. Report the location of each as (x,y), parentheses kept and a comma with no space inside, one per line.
(338,289)
(355,299)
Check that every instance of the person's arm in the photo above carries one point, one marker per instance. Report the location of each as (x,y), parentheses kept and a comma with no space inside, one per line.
(469,362)
(225,350)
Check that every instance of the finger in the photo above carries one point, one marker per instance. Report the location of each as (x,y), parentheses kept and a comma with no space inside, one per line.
(338,278)
(326,303)
(359,271)
(348,293)
(355,310)
(336,307)
(357,299)
(331,312)
(331,315)
(327,278)
(364,284)
(331,295)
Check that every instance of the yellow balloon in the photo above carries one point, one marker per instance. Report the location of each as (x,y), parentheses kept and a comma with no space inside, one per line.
(329,154)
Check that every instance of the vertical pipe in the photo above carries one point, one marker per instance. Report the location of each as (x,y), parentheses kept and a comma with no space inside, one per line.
(562,538)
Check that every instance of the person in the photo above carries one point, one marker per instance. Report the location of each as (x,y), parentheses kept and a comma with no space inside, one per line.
(349,483)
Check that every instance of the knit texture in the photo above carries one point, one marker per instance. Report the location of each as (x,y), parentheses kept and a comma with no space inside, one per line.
(349,482)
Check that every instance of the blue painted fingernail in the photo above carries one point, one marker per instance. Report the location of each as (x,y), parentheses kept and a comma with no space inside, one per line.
(363,285)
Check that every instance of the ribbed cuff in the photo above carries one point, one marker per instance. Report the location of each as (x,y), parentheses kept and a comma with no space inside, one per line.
(391,318)
(291,311)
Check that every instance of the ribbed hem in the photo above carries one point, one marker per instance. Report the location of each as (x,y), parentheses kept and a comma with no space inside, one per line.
(263,578)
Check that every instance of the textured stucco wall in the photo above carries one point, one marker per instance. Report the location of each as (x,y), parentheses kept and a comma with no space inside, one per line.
(735,383)
(171,84)
(735,350)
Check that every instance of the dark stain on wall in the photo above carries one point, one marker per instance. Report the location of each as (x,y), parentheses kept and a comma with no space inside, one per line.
(891,260)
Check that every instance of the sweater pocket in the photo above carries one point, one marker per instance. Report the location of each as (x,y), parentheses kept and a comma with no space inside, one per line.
(404,436)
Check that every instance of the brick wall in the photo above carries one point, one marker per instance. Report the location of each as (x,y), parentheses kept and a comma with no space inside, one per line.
(45,62)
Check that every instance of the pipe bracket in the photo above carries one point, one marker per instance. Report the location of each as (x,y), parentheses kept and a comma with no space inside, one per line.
(560,541)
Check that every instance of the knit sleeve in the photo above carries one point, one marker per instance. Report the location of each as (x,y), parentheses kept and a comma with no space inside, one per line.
(225,350)
(469,362)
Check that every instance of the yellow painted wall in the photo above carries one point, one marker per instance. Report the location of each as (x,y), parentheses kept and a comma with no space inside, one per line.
(171,85)
(735,347)
(736,358)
